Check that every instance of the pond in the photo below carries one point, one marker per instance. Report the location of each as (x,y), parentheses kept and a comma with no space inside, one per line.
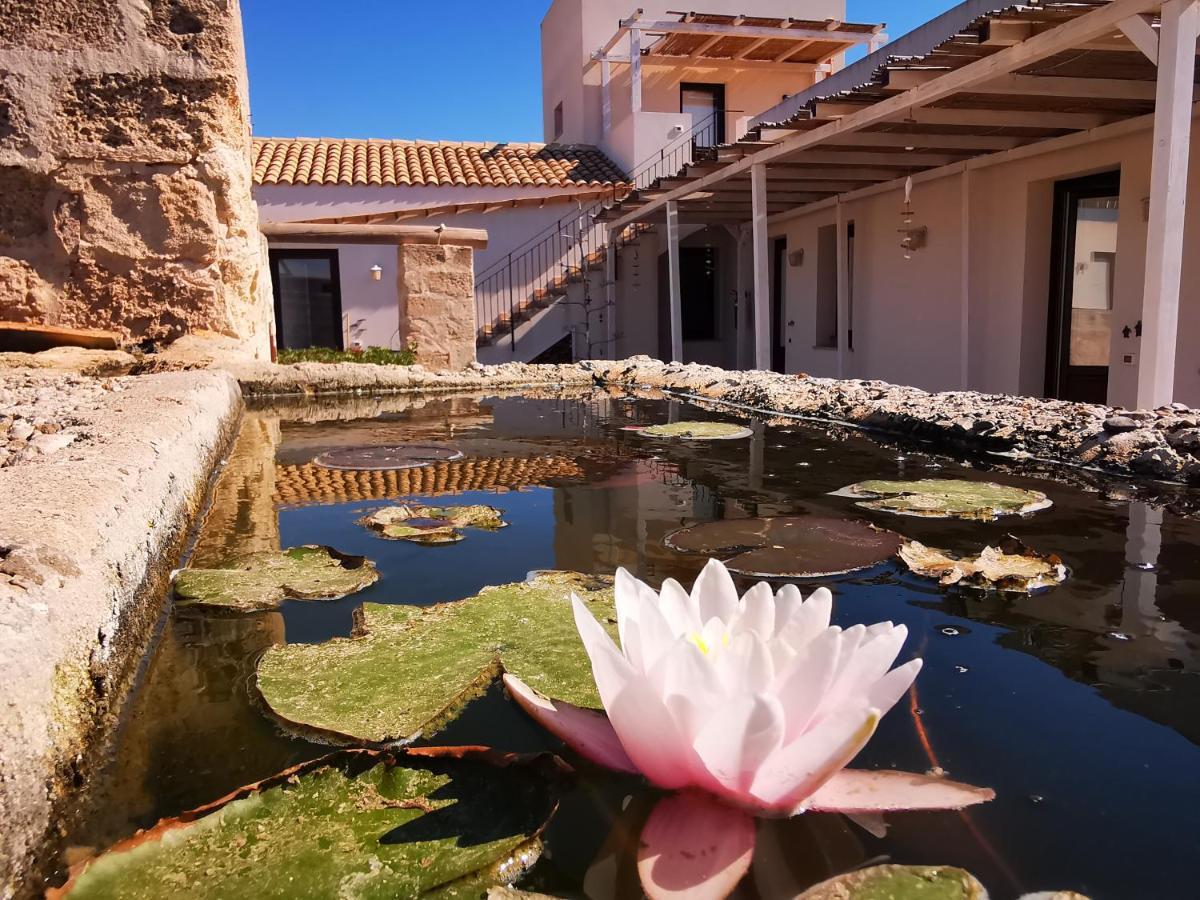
(1079,704)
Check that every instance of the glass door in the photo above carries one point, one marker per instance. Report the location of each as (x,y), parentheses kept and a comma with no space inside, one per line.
(706,103)
(308,301)
(1083,260)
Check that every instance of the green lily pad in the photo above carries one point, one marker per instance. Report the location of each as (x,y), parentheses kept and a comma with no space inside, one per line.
(697,431)
(1011,566)
(789,546)
(946,498)
(422,524)
(408,670)
(439,822)
(264,580)
(899,883)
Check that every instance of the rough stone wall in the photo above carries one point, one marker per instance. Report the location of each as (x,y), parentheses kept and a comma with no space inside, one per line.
(437,304)
(125,175)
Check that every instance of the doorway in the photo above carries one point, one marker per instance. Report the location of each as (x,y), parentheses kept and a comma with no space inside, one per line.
(778,293)
(698,274)
(1083,257)
(706,103)
(308,299)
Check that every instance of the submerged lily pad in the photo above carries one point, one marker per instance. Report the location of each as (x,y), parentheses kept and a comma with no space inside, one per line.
(1011,566)
(422,524)
(408,670)
(443,822)
(789,546)
(378,458)
(946,498)
(264,580)
(697,431)
(900,883)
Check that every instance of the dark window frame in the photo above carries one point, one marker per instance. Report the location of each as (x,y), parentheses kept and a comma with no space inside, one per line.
(275,254)
(717,89)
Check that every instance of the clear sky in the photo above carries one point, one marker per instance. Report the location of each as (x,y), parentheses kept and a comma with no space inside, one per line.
(454,70)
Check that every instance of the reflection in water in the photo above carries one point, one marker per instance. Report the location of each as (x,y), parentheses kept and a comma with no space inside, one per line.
(1080,704)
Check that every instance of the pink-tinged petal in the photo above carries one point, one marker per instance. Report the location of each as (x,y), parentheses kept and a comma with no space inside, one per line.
(804,620)
(862,791)
(756,612)
(884,693)
(744,667)
(685,671)
(677,608)
(609,668)
(587,732)
(802,685)
(694,847)
(714,593)
(865,668)
(798,769)
(739,735)
(651,738)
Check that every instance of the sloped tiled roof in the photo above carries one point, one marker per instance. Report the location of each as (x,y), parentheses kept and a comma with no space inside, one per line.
(430,163)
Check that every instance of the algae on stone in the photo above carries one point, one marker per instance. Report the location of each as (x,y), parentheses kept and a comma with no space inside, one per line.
(1011,566)
(445,822)
(891,882)
(423,524)
(945,498)
(265,579)
(408,670)
(697,431)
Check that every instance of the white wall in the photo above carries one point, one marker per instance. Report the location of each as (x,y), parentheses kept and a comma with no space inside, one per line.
(907,313)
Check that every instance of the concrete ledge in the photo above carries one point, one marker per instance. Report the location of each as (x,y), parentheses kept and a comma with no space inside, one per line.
(323,233)
(88,535)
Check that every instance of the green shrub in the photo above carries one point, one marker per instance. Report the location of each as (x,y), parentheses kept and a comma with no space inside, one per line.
(379,356)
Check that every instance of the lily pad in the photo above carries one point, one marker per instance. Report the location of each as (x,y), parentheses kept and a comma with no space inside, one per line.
(395,456)
(422,524)
(899,883)
(946,498)
(409,670)
(789,546)
(1012,566)
(697,431)
(264,580)
(438,822)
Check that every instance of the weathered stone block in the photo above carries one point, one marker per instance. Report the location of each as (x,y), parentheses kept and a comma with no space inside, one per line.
(23,209)
(437,304)
(61,24)
(202,28)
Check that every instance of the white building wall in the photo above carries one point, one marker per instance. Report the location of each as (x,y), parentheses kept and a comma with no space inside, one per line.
(907,313)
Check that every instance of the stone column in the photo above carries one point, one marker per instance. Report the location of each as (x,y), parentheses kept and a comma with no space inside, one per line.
(125,170)
(437,304)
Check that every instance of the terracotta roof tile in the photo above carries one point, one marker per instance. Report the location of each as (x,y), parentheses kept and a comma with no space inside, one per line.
(430,163)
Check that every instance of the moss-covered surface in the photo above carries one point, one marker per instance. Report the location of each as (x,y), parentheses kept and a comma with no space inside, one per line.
(409,670)
(354,824)
(422,524)
(900,883)
(946,498)
(1011,566)
(697,431)
(264,580)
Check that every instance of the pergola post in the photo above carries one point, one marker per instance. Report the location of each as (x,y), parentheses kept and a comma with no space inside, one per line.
(605,96)
(610,292)
(745,292)
(1180,26)
(762,278)
(675,306)
(964,325)
(635,69)
(843,291)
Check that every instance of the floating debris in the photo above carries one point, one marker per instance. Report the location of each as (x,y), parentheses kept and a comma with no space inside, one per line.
(264,580)
(395,456)
(789,546)
(945,498)
(422,524)
(1011,567)
(408,670)
(697,431)
(355,823)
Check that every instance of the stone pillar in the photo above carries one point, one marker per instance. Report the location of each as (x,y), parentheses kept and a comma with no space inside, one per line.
(437,304)
(125,170)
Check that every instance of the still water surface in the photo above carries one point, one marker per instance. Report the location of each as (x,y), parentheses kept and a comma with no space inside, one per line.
(1079,705)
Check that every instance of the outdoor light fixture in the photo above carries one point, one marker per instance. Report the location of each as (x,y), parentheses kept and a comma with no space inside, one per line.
(376,272)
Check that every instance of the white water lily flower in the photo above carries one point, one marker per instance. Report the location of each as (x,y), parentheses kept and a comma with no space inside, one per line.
(751,706)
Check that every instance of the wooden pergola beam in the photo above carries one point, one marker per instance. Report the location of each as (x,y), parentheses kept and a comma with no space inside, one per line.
(983,118)
(1035,85)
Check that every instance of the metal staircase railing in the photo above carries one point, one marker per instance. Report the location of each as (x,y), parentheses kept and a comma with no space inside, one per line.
(538,273)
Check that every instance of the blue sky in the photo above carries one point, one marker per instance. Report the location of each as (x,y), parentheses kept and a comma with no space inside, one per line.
(455,70)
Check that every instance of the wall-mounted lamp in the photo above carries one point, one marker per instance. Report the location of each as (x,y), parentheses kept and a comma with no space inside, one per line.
(796,258)
(376,272)
(675,131)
